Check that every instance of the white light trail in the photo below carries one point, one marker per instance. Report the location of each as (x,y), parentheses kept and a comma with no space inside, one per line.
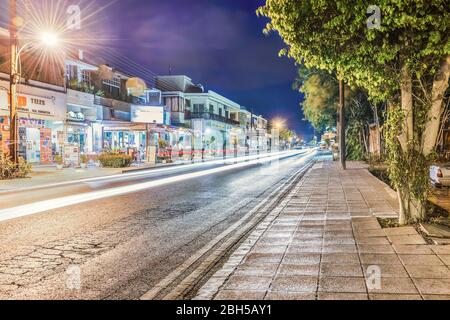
(124,176)
(47,205)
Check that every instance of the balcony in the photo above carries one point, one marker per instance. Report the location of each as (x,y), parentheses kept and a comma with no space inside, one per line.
(113,104)
(211,116)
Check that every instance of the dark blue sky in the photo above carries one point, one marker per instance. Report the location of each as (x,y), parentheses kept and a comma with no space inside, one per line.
(218,43)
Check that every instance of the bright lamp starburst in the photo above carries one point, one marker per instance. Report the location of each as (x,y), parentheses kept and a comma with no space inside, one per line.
(49,39)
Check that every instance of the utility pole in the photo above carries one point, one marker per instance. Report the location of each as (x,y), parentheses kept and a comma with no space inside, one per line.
(14,79)
(342,148)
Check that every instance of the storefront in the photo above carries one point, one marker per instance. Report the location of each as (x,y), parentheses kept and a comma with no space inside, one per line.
(42,114)
(81,114)
(123,137)
(214,138)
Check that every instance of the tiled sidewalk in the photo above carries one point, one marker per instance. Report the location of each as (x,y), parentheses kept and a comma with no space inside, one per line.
(328,244)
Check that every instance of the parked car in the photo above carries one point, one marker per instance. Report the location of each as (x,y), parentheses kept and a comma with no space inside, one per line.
(440,175)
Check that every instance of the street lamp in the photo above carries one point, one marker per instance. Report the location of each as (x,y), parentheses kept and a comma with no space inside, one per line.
(47,39)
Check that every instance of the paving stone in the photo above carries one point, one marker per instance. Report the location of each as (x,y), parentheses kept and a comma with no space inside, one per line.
(373,241)
(290,296)
(343,248)
(299,270)
(379,259)
(369,233)
(340,258)
(248,283)
(274,241)
(370,248)
(436,297)
(420,260)
(269,249)
(411,239)
(302,259)
(342,296)
(400,231)
(368,225)
(338,234)
(263,258)
(341,270)
(445,258)
(433,286)
(388,270)
(440,249)
(308,235)
(412,249)
(428,272)
(312,248)
(255,270)
(302,242)
(395,286)
(342,284)
(339,241)
(294,284)
(240,295)
(387,297)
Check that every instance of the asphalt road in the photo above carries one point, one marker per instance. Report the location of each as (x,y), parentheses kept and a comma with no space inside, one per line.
(120,247)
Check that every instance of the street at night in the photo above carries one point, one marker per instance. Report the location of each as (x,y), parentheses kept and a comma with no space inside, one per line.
(224,158)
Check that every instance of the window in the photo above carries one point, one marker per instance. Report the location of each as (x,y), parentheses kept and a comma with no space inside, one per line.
(86,76)
(115,82)
(113,91)
(220,112)
(211,109)
(199,108)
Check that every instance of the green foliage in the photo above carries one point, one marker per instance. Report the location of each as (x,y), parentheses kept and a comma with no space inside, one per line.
(58,159)
(321,101)
(408,171)
(115,160)
(355,149)
(286,134)
(84,159)
(321,109)
(8,170)
(333,36)
(162,144)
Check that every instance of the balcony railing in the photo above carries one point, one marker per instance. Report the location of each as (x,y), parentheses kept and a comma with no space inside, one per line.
(211,116)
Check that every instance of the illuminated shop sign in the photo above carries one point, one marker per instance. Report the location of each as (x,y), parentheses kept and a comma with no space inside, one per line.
(147,114)
(29,104)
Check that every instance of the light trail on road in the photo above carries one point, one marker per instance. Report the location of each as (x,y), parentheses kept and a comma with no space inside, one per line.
(144,172)
(43,206)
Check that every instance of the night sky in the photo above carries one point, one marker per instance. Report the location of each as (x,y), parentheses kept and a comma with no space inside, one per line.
(218,43)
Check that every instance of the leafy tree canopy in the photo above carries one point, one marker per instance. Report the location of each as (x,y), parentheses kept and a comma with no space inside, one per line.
(333,36)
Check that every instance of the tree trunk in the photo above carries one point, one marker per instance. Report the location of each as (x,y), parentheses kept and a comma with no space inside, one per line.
(411,210)
(403,214)
(407,107)
(440,86)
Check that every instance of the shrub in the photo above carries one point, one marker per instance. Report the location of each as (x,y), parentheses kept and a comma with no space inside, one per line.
(58,159)
(115,160)
(84,159)
(8,170)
